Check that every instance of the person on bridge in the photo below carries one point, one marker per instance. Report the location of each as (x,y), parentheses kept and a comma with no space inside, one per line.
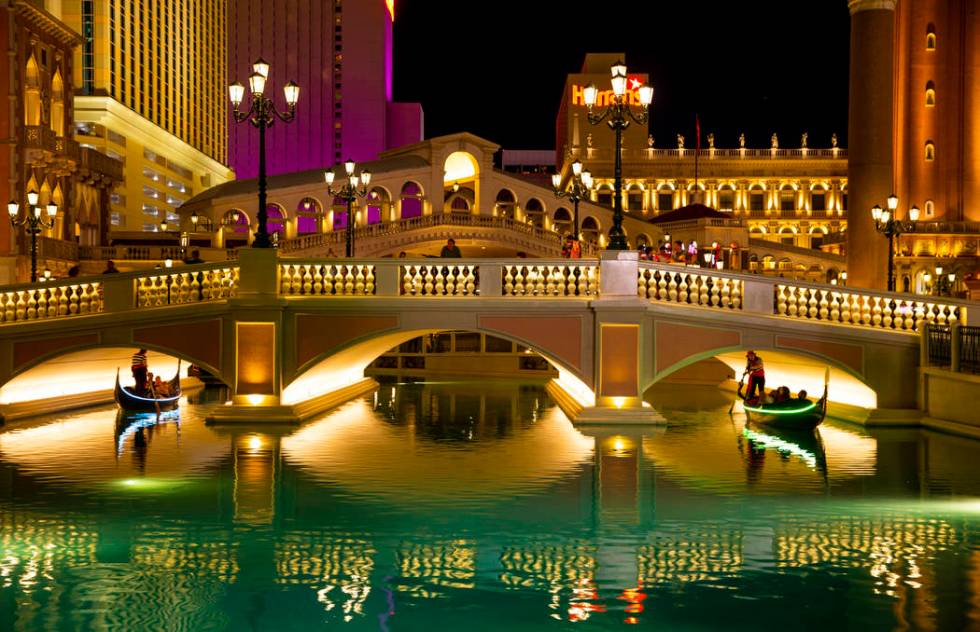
(757,376)
(194,258)
(110,267)
(450,251)
(138,366)
(576,251)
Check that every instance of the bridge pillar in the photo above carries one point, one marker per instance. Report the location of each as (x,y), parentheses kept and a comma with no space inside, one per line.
(253,344)
(622,331)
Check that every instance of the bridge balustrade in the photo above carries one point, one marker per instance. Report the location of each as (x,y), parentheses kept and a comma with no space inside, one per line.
(440,280)
(675,284)
(192,284)
(326,279)
(556,279)
(58,299)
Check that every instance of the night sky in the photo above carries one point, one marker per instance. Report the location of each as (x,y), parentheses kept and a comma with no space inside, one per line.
(756,66)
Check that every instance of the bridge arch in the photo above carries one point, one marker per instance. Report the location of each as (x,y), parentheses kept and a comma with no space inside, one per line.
(335,366)
(505,204)
(793,367)
(85,368)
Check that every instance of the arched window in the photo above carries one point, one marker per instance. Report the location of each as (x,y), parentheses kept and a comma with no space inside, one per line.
(411,200)
(818,198)
(634,198)
(590,230)
(665,198)
(604,195)
(459,205)
(563,221)
(787,198)
(32,93)
(378,205)
(505,204)
(275,219)
(930,208)
(534,212)
(930,151)
(642,241)
(234,225)
(931,37)
(726,198)
(757,199)
(930,94)
(307,213)
(58,105)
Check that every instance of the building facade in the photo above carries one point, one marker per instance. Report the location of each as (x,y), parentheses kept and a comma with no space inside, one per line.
(151,81)
(340,53)
(39,154)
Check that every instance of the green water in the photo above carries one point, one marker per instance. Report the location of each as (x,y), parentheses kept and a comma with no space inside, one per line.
(455,506)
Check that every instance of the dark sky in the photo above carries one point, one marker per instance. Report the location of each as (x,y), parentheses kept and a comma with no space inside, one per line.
(497,68)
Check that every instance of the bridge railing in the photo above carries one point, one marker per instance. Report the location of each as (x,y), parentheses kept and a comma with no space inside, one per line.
(57,299)
(578,278)
(548,238)
(794,299)
(186,284)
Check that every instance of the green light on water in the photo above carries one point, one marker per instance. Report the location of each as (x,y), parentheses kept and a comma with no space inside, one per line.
(146,484)
(781,411)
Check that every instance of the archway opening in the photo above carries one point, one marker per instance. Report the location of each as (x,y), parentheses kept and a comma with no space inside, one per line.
(411,200)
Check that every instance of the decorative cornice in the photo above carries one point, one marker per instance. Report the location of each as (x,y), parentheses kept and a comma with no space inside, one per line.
(44,22)
(871,5)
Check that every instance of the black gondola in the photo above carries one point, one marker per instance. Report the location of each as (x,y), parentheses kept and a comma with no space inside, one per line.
(131,402)
(793,414)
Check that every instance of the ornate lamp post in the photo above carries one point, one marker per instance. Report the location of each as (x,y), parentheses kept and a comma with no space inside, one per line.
(262,113)
(887,224)
(33,224)
(619,114)
(356,186)
(577,190)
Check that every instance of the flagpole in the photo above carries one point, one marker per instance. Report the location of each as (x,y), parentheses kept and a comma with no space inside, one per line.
(697,155)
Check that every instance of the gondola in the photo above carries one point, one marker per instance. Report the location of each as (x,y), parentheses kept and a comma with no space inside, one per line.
(129,401)
(793,414)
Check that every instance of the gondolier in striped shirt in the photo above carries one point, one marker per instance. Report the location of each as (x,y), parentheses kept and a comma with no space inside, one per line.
(138,366)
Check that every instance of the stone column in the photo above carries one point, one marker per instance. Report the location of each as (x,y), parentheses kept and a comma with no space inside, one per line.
(870,137)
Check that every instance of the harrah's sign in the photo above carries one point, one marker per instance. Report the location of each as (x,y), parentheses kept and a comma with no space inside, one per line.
(606,97)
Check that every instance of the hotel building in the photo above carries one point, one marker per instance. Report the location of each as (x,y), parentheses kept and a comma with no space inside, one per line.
(151,92)
(794,197)
(340,53)
(39,154)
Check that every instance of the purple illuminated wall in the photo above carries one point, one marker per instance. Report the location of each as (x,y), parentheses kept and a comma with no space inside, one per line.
(341,114)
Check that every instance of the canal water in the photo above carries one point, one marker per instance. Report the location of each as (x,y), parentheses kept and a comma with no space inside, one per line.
(475,506)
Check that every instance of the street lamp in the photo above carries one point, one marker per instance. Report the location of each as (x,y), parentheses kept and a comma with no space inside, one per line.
(890,226)
(577,190)
(944,282)
(262,113)
(619,114)
(33,223)
(354,187)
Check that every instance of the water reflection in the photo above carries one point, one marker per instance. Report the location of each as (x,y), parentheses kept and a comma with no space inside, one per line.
(480,506)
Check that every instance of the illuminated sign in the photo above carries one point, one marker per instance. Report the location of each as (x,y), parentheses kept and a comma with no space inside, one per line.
(391,8)
(606,97)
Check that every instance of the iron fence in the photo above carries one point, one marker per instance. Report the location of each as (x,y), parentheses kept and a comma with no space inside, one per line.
(969,349)
(939,345)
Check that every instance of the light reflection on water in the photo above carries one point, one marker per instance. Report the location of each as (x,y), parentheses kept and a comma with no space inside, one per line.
(479,506)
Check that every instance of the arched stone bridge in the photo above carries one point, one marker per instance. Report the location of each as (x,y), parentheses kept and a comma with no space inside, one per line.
(292,336)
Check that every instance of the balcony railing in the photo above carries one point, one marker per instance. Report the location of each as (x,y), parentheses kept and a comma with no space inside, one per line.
(713,154)
(956,348)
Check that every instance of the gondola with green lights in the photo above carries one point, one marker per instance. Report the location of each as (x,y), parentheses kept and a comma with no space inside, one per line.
(800,414)
(129,401)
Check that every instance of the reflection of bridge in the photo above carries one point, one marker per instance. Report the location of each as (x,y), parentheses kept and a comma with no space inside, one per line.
(293,336)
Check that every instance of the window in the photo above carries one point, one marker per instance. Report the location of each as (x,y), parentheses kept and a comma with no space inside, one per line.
(498,345)
(757,201)
(818,201)
(816,240)
(117,219)
(604,197)
(467,342)
(931,37)
(930,94)
(786,240)
(665,201)
(843,200)
(634,199)
(726,200)
(150,228)
(930,208)
(787,200)
(930,151)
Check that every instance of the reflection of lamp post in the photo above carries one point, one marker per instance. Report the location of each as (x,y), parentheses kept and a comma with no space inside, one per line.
(355,187)
(619,114)
(262,113)
(33,224)
(577,190)
(887,224)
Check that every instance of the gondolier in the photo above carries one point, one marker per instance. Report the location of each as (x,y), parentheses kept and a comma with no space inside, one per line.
(757,376)
(139,366)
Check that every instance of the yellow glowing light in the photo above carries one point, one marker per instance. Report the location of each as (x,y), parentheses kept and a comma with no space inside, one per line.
(618,445)
(391,8)
(618,402)
(255,444)
(254,399)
